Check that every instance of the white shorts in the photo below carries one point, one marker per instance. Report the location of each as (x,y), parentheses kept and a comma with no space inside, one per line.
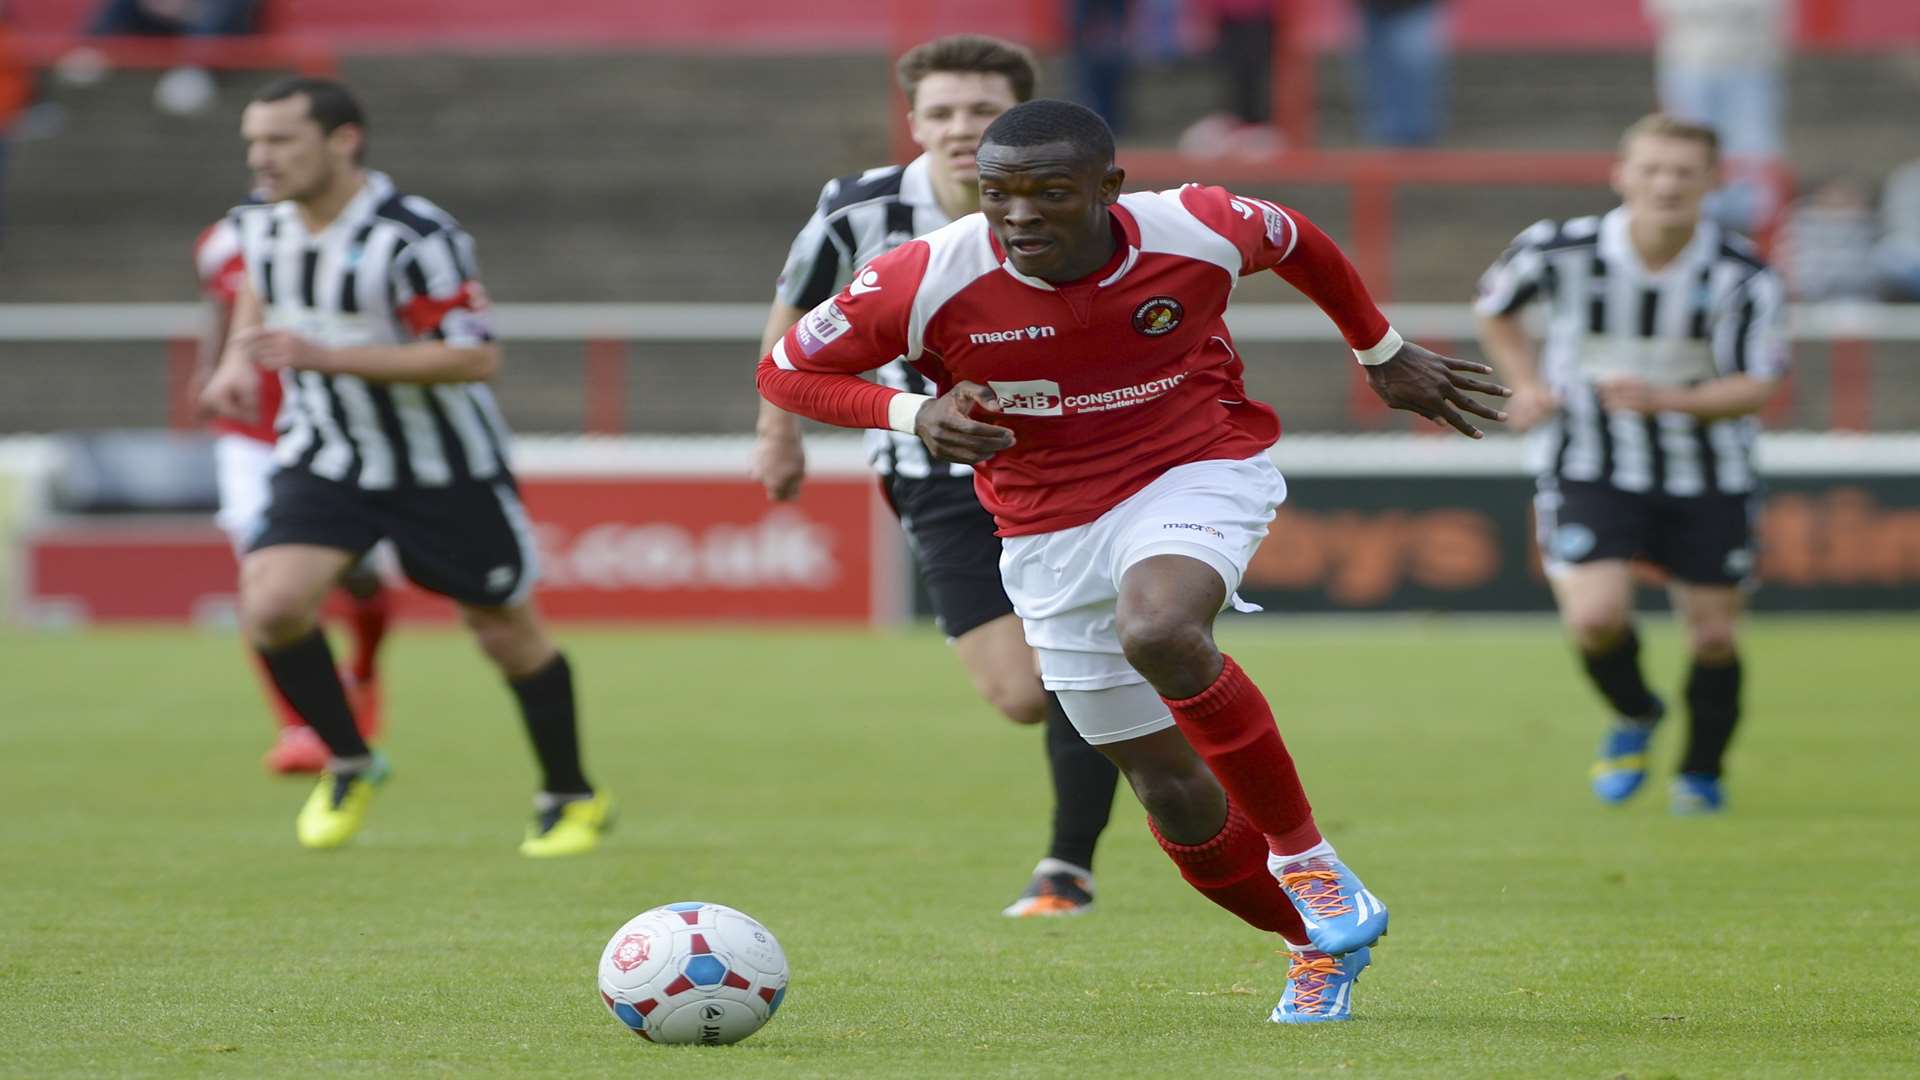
(243,467)
(1064,584)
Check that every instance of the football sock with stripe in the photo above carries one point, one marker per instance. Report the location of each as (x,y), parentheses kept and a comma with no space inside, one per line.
(1616,674)
(1083,785)
(305,674)
(1231,727)
(546,705)
(1231,870)
(1713,711)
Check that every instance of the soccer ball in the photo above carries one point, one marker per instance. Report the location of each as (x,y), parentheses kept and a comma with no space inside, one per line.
(693,973)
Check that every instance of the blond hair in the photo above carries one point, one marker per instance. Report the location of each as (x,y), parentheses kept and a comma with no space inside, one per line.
(968,53)
(1665,126)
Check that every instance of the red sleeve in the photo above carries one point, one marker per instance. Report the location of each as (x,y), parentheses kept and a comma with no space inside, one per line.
(814,369)
(218,262)
(1278,238)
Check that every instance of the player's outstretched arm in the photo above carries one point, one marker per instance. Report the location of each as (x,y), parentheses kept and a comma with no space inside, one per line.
(1435,386)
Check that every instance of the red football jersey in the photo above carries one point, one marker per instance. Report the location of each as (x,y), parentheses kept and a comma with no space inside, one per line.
(222,269)
(1107,382)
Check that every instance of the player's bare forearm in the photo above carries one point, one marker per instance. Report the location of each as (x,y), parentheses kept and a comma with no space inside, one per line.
(773,421)
(1509,348)
(1716,399)
(420,362)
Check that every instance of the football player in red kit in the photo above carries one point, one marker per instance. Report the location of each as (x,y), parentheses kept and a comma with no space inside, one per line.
(1089,377)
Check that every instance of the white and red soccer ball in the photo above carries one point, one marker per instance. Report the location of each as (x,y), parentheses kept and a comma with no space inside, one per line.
(693,973)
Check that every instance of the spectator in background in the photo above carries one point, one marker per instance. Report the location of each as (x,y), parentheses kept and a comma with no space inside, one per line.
(1898,258)
(1403,70)
(1102,57)
(15,91)
(1828,239)
(1243,50)
(183,91)
(1723,63)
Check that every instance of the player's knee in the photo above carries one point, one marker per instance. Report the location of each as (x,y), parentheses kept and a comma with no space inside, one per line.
(1713,643)
(1021,700)
(1161,644)
(1598,627)
(511,639)
(274,612)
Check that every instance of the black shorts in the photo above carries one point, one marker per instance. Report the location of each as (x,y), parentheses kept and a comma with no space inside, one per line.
(954,542)
(1698,539)
(471,542)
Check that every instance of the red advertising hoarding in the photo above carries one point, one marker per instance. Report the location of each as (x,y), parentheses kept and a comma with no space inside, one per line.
(612,548)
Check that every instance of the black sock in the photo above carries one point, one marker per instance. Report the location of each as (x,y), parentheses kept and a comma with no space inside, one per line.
(1083,783)
(305,674)
(1616,672)
(546,704)
(1713,710)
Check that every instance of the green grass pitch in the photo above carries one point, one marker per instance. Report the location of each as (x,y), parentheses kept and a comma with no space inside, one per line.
(157,919)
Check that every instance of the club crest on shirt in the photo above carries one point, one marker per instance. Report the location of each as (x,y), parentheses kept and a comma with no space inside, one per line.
(1157,316)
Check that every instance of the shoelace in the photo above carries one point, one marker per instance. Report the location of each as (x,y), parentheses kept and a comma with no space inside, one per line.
(1309,979)
(1319,890)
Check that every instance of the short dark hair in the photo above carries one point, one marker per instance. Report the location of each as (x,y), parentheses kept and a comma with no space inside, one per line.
(329,103)
(972,54)
(1047,120)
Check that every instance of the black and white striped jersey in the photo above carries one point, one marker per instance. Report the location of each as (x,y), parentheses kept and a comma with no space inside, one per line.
(391,269)
(859,218)
(1716,310)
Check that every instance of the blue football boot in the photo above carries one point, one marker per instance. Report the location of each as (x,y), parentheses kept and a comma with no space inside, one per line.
(1622,767)
(1340,914)
(1320,987)
(1697,793)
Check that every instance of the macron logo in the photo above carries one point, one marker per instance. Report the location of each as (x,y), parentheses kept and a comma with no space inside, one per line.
(1018,333)
(865,282)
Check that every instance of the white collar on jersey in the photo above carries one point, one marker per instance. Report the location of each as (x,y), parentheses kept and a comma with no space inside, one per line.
(377,188)
(1126,264)
(1617,246)
(916,187)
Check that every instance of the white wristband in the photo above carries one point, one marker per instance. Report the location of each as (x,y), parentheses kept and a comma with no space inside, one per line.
(1382,350)
(903,409)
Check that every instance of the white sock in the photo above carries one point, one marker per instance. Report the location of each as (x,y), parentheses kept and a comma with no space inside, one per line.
(547,800)
(1051,865)
(1323,848)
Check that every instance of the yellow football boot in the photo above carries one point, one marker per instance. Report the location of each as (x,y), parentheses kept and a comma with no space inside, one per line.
(569,828)
(338,805)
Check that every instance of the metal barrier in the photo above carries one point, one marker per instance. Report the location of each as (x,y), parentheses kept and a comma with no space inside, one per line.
(605,334)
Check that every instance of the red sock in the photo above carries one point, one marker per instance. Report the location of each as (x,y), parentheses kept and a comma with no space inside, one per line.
(1231,727)
(1231,870)
(282,708)
(369,618)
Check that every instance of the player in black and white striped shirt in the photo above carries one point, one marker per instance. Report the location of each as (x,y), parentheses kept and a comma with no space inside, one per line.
(955,86)
(1664,335)
(368,304)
